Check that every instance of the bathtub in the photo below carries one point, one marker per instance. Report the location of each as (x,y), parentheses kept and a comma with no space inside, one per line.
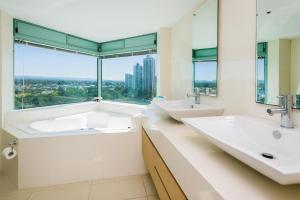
(88,122)
(96,144)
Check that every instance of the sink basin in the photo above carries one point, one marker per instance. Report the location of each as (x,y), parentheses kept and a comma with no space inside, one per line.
(260,143)
(179,109)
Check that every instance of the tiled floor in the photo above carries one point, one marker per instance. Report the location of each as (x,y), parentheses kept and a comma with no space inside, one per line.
(127,188)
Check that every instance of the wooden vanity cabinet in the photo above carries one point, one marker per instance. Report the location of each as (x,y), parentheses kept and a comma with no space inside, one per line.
(165,184)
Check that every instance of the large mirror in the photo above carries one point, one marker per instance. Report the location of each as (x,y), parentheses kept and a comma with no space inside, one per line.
(205,47)
(278,51)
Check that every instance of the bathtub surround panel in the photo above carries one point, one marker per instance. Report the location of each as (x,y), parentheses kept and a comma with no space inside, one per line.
(67,159)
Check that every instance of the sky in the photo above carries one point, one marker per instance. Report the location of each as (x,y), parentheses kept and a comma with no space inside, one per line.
(260,75)
(42,62)
(205,71)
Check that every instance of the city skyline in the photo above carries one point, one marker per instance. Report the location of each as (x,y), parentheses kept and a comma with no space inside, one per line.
(143,79)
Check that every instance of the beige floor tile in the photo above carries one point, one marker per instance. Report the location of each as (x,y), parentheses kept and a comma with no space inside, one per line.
(78,191)
(61,186)
(115,179)
(8,189)
(16,197)
(150,188)
(155,197)
(118,190)
(142,198)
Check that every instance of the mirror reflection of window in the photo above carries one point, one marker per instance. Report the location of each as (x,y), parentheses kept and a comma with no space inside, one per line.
(260,82)
(205,77)
(278,50)
(204,47)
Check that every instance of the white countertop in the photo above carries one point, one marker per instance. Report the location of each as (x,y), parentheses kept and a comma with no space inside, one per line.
(204,171)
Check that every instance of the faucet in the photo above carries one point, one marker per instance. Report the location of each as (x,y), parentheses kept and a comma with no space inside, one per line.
(286,106)
(196,95)
(97,99)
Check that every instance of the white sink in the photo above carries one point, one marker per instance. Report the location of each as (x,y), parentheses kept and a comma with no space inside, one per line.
(247,138)
(179,109)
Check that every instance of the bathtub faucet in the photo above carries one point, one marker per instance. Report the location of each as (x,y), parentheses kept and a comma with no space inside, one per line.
(97,99)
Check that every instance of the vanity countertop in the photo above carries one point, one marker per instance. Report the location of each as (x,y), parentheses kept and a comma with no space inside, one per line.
(203,171)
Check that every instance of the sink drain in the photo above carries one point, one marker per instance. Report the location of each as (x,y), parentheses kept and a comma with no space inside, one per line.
(268,155)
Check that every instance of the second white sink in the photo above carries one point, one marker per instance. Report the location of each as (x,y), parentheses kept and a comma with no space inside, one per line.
(179,109)
(259,143)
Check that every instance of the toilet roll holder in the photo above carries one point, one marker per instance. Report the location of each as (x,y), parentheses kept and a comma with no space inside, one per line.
(12,144)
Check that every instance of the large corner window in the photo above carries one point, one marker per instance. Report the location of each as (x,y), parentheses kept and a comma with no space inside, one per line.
(45,76)
(205,76)
(54,68)
(129,78)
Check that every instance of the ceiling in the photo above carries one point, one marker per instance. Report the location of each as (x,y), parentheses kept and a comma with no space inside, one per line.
(282,23)
(100,20)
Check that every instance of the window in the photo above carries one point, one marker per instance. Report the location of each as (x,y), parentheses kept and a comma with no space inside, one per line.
(205,76)
(130,79)
(260,80)
(262,72)
(44,76)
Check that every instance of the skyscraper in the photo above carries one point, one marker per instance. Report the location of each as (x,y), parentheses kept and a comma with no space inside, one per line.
(129,83)
(137,79)
(149,87)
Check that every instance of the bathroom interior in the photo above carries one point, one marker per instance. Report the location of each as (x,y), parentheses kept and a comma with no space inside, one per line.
(148,100)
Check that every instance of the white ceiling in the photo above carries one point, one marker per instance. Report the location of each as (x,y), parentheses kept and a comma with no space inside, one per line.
(100,20)
(282,23)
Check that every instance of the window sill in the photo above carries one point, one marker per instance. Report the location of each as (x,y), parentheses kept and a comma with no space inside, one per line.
(128,105)
(65,106)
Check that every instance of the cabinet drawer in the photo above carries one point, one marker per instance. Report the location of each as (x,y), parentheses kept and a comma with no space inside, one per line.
(164,181)
(168,180)
(148,152)
(160,188)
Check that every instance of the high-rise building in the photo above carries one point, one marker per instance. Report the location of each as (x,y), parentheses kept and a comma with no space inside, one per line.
(129,82)
(137,79)
(149,85)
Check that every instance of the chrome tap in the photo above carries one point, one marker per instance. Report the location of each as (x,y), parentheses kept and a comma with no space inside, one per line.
(286,108)
(97,99)
(196,95)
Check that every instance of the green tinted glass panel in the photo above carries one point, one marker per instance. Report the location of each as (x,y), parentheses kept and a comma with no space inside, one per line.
(42,35)
(138,43)
(205,54)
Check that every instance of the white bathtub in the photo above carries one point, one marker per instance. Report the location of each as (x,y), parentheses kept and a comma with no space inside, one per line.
(80,123)
(86,146)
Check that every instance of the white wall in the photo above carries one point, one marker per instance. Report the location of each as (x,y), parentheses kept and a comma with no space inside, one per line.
(273,72)
(164,60)
(181,57)
(236,71)
(6,63)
